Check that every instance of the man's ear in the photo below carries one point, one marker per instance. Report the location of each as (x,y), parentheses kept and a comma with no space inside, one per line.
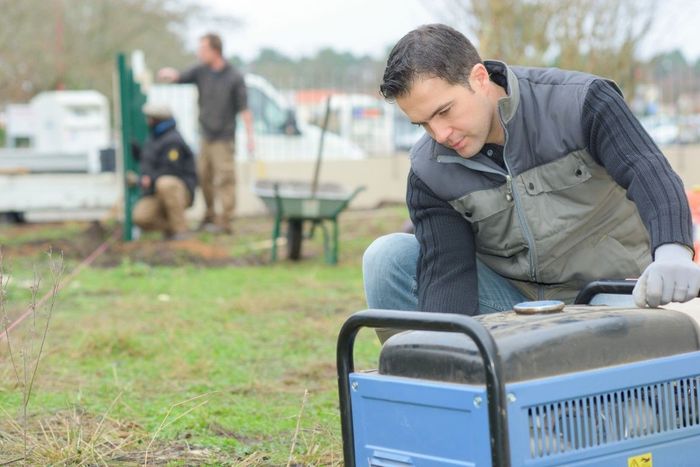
(478,77)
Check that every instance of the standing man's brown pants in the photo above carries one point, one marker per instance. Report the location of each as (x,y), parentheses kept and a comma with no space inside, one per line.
(165,209)
(217,178)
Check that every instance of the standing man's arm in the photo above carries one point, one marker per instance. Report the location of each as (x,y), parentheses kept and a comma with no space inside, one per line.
(168,75)
(171,75)
(446,269)
(247,116)
(618,141)
(240,103)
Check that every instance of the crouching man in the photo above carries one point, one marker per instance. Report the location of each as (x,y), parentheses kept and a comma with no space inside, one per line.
(168,177)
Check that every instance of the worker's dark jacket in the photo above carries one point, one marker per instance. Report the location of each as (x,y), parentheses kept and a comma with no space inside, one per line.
(579,199)
(166,153)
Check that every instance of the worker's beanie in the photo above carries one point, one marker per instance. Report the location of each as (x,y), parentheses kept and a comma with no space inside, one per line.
(157,111)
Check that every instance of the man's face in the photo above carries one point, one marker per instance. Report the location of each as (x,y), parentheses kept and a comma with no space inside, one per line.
(205,53)
(452,114)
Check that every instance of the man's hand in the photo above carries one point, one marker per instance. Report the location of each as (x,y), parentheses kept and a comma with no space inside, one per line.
(250,131)
(672,277)
(169,75)
(251,148)
(145,182)
(132,178)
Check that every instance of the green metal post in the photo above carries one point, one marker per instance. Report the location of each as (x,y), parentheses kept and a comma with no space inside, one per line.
(134,130)
(326,242)
(334,257)
(278,223)
(275,235)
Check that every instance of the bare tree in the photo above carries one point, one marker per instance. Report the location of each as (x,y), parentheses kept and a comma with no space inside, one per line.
(50,44)
(598,36)
(602,37)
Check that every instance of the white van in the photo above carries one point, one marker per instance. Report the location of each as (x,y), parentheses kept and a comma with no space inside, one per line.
(57,131)
(364,119)
(279,135)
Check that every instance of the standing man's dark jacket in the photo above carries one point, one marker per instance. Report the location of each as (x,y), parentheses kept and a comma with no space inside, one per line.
(166,153)
(222,95)
(578,192)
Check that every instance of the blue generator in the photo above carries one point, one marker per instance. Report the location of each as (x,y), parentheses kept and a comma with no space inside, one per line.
(581,385)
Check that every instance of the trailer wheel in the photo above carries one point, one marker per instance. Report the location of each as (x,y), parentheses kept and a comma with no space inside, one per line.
(295,234)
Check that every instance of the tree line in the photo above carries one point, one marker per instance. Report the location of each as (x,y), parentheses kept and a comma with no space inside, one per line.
(71,44)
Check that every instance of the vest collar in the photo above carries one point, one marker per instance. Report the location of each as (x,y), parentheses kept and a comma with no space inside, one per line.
(509,104)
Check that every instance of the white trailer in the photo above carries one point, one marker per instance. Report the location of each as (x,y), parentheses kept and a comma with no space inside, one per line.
(71,122)
(52,160)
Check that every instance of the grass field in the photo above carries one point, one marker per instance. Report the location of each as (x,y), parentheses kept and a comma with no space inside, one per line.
(180,353)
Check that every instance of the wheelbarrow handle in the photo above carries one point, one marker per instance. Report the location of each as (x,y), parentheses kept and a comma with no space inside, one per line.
(347,201)
(415,320)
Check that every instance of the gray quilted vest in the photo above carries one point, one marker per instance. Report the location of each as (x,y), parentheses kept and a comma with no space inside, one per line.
(555,219)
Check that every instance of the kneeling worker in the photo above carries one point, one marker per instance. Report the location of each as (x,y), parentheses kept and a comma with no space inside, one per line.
(168,176)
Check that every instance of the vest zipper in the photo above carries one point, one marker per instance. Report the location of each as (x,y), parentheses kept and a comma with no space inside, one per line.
(511,196)
(513,193)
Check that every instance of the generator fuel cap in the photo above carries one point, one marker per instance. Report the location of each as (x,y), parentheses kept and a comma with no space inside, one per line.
(539,307)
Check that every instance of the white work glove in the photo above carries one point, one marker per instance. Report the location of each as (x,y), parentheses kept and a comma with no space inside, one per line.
(672,277)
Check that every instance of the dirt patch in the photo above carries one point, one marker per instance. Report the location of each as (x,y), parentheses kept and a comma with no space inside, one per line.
(177,253)
(250,244)
(72,243)
(77,244)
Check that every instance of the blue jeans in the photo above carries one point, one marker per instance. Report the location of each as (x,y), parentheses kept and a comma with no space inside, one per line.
(389,269)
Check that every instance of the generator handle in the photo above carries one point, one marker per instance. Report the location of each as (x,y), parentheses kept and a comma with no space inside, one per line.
(422,321)
(617,287)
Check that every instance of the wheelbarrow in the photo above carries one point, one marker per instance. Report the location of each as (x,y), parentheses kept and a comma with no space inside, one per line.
(297,204)
(542,385)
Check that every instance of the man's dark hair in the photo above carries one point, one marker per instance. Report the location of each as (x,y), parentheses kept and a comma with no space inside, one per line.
(432,51)
(214,41)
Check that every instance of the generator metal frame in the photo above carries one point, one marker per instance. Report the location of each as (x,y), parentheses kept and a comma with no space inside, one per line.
(592,417)
(415,320)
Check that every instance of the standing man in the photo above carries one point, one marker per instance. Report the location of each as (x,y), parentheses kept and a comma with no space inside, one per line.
(530,183)
(168,177)
(222,95)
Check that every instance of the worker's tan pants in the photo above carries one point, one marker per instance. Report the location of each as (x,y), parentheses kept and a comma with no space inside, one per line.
(165,209)
(217,178)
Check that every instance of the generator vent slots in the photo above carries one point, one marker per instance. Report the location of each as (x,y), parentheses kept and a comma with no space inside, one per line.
(569,425)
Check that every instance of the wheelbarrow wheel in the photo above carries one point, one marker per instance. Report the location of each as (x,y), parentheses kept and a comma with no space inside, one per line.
(295,235)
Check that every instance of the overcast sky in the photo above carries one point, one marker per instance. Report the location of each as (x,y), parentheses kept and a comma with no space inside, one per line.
(301,27)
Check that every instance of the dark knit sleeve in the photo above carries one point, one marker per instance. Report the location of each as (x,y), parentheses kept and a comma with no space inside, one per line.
(446,270)
(618,141)
(189,76)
